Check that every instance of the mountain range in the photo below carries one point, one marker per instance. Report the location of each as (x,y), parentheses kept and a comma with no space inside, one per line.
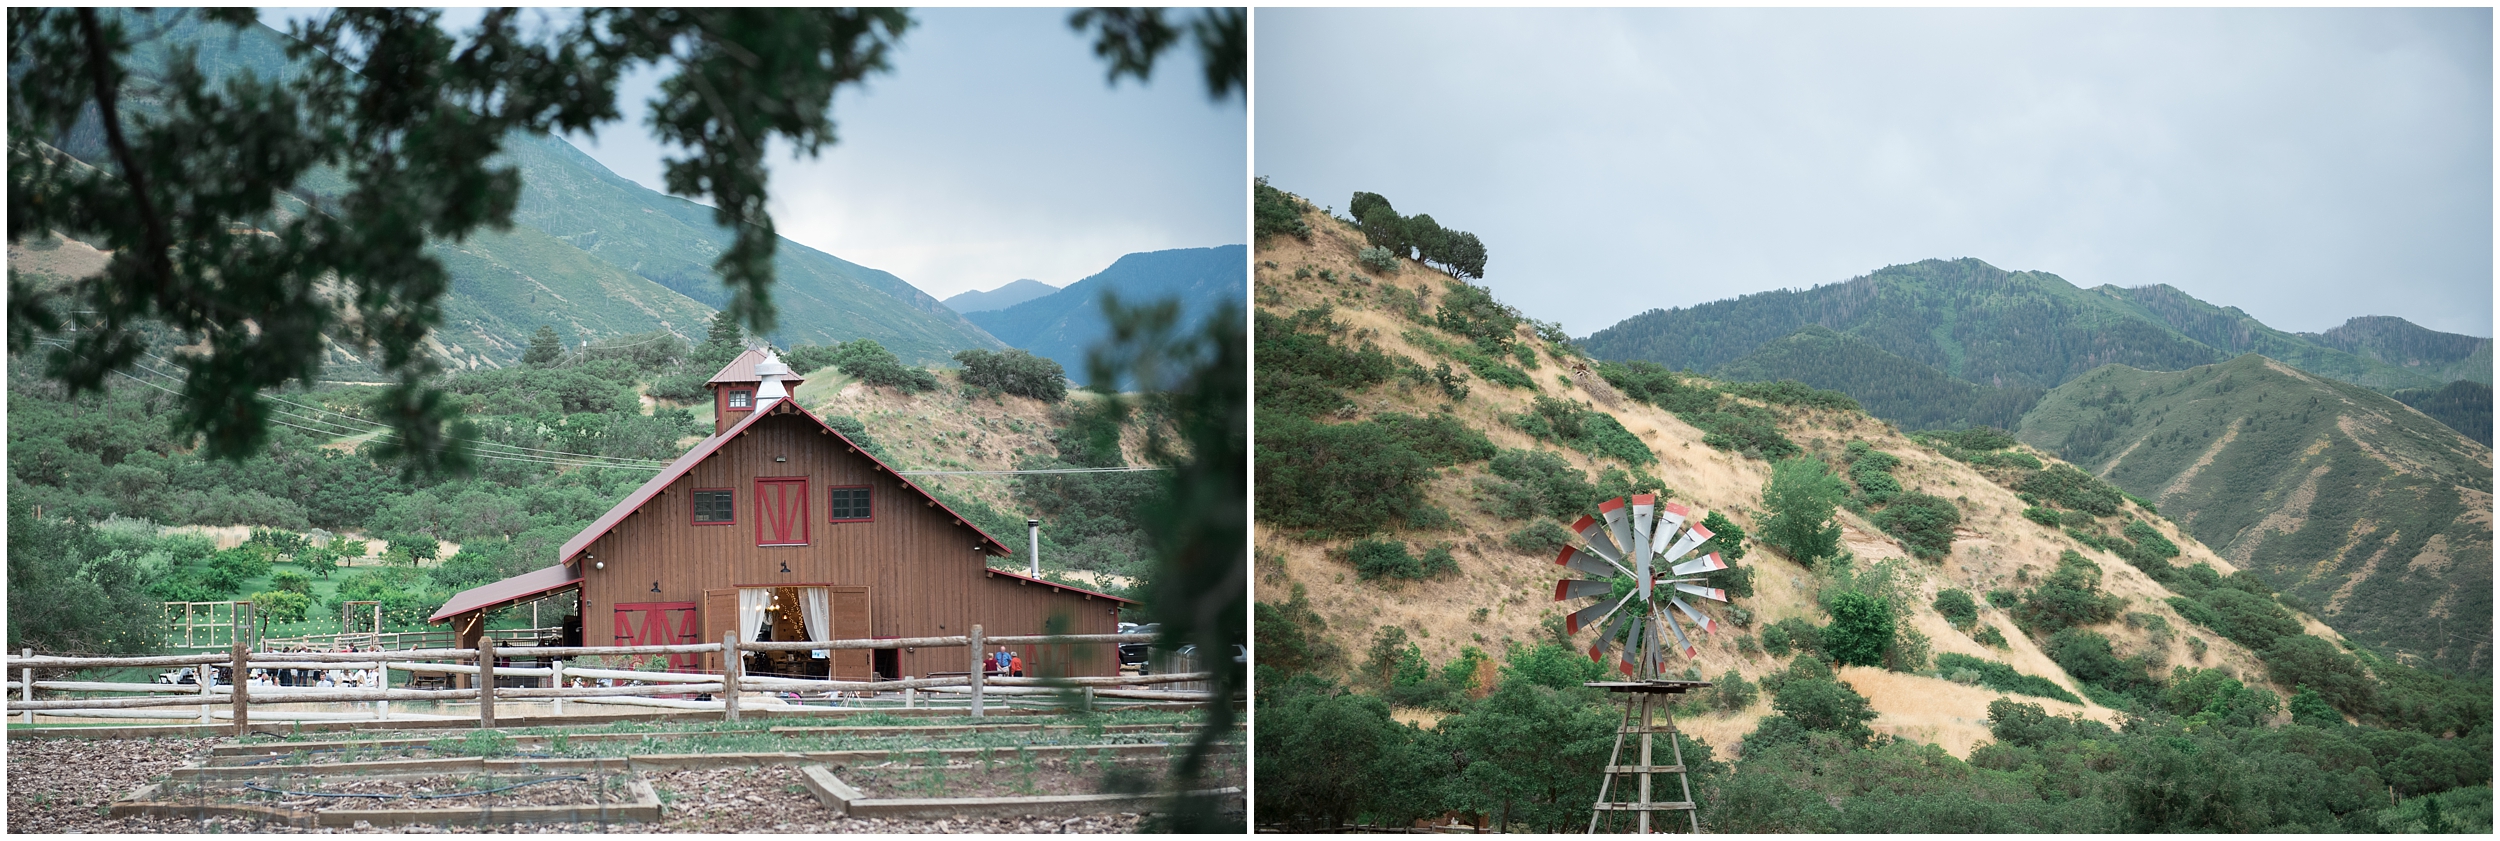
(2349,468)
(1007,295)
(591,253)
(1062,324)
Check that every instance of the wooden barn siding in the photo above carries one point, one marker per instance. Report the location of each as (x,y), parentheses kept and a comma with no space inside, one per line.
(923,576)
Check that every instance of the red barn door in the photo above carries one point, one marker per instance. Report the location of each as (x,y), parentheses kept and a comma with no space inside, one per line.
(662,623)
(781,512)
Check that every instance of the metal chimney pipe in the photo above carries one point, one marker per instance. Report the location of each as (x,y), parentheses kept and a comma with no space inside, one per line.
(1033,538)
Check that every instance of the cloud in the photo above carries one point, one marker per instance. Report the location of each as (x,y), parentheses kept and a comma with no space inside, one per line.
(2305,165)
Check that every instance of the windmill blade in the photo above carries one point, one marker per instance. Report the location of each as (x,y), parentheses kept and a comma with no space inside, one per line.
(1692,538)
(1695,615)
(1594,533)
(1670,517)
(1606,636)
(1581,588)
(1641,507)
(1617,523)
(1705,563)
(1690,653)
(1590,615)
(1712,593)
(1631,649)
(1589,563)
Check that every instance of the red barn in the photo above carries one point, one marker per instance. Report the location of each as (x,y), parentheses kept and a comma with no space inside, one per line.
(779,528)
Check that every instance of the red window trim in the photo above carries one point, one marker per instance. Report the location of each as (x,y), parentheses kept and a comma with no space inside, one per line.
(800,520)
(733,507)
(749,407)
(872,506)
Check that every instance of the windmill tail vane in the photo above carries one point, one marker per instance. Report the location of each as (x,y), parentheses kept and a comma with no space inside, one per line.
(1650,546)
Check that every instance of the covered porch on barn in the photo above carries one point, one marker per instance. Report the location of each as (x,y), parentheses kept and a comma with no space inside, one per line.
(555,589)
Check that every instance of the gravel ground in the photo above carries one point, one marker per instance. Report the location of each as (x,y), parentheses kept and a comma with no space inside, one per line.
(60,786)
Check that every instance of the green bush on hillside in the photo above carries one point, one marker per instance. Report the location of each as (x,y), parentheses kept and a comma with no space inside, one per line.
(1353,478)
(2075,489)
(2003,678)
(1924,523)
(1014,372)
(1274,212)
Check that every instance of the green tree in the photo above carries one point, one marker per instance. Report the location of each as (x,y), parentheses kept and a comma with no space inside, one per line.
(1533,755)
(1800,498)
(545,349)
(69,595)
(281,605)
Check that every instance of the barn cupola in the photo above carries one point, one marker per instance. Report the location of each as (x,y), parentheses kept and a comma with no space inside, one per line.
(740,387)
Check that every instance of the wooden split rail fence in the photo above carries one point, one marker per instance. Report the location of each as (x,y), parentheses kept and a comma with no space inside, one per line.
(480,662)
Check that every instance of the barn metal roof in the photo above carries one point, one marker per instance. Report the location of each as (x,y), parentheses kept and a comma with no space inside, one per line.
(509,590)
(742,370)
(572,550)
(1056,585)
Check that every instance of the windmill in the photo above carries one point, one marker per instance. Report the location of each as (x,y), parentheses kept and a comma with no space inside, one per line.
(1636,558)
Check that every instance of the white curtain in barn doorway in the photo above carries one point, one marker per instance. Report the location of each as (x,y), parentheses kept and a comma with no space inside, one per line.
(817,609)
(751,604)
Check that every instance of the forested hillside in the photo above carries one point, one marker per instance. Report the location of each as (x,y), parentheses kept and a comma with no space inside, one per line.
(1949,632)
(2376,518)
(107,506)
(1988,326)
(1907,393)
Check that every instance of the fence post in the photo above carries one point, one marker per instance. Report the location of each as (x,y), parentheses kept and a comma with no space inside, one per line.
(979,659)
(558,667)
(201,674)
(730,666)
(381,679)
(242,682)
(909,694)
(485,681)
(1089,698)
(28,676)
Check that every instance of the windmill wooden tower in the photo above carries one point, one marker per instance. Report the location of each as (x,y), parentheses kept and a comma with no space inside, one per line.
(1632,553)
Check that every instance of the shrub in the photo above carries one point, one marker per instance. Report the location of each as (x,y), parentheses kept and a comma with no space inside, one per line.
(1344,479)
(874,365)
(1014,372)
(1533,482)
(1791,634)
(1861,629)
(1443,439)
(1380,557)
(2031,726)
(1379,259)
(1541,537)
(2303,660)
(2043,516)
(1924,523)
(1989,636)
(2004,678)
(1957,608)
(2070,597)
(1732,692)
(2004,599)
(1979,438)
(1437,562)
(2075,489)
(1823,704)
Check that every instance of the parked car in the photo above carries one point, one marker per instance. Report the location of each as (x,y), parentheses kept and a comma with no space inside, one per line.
(1134,653)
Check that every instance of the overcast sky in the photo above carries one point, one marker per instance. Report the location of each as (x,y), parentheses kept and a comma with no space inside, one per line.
(994,151)
(2307,166)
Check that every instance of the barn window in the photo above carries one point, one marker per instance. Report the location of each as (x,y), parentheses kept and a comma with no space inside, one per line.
(849,504)
(714,507)
(741,399)
(781,512)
